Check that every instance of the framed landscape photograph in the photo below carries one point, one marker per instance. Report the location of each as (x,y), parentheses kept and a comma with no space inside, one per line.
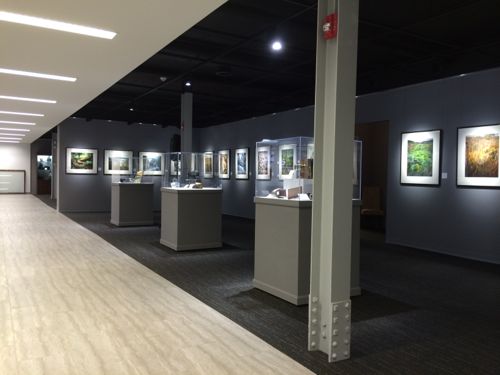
(241,163)
(208,165)
(287,161)
(421,158)
(478,156)
(263,163)
(152,163)
(118,162)
(224,168)
(81,161)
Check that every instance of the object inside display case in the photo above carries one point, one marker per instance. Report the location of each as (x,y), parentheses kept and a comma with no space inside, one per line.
(191,170)
(134,174)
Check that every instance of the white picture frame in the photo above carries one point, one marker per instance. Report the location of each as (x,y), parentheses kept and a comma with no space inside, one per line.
(478,163)
(224,164)
(208,165)
(263,163)
(152,163)
(118,162)
(77,163)
(287,161)
(421,158)
(241,163)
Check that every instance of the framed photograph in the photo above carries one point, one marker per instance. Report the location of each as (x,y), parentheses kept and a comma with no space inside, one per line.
(421,158)
(263,163)
(208,165)
(152,163)
(477,156)
(81,161)
(175,166)
(224,168)
(287,161)
(241,163)
(118,162)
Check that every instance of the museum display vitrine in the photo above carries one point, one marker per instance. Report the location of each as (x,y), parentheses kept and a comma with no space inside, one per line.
(421,158)
(133,175)
(191,170)
(478,156)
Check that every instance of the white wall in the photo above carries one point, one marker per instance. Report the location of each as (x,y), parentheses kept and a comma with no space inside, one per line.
(16,156)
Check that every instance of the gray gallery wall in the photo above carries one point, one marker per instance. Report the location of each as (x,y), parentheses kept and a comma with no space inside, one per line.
(238,194)
(92,193)
(447,219)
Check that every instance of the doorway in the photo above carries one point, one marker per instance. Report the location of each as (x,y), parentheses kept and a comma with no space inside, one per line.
(44,174)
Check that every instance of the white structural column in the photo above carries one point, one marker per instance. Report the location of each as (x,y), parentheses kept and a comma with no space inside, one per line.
(329,301)
(187,122)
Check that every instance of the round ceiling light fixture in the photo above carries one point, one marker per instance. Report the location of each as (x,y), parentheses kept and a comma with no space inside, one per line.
(277,46)
(188,84)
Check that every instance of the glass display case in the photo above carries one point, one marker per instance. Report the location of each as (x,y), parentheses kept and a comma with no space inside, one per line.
(356,169)
(125,170)
(284,168)
(194,170)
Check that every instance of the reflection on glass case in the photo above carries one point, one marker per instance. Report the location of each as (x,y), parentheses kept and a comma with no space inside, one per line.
(133,175)
(191,170)
(356,169)
(284,168)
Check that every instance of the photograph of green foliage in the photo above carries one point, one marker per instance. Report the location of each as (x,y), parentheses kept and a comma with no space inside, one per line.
(420,158)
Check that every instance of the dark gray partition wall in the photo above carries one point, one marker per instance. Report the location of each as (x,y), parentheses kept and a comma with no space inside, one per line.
(446,219)
(238,194)
(92,193)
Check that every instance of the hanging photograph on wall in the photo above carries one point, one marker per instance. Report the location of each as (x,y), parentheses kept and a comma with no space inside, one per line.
(287,161)
(208,165)
(81,161)
(118,162)
(420,158)
(175,165)
(478,156)
(263,163)
(241,163)
(224,169)
(152,163)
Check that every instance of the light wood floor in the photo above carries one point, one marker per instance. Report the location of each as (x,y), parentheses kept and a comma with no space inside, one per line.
(70,303)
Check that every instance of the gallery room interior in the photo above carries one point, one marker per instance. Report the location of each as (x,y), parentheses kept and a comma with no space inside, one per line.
(249,187)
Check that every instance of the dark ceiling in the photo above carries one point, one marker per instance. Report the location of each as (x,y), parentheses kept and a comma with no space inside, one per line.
(235,75)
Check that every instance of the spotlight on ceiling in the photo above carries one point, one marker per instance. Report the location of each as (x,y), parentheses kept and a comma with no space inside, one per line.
(188,84)
(277,45)
(131,109)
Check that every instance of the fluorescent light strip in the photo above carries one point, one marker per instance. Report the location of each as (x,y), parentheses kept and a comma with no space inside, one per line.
(22,114)
(28,99)
(11,139)
(17,122)
(36,75)
(15,130)
(12,134)
(56,25)
(8,141)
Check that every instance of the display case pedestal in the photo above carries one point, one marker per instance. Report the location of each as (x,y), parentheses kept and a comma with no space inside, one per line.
(132,204)
(191,218)
(283,248)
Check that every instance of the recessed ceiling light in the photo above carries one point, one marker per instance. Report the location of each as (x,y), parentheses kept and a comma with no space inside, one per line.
(12,134)
(1,141)
(462,75)
(56,25)
(17,123)
(131,109)
(22,114)
(277,45)
(15,130)
(28,99)
(10,139)
(188,84)
(36,75)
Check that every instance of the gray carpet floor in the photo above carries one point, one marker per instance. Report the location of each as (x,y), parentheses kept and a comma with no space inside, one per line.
(420,313)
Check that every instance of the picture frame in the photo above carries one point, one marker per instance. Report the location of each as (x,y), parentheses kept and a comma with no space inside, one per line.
(224,164)
(421,158)
(176,166)
(208,165)
(478,163)
(263,163)
(241,163)
(287,161)
(118,162)
(152,163)
(81,160)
